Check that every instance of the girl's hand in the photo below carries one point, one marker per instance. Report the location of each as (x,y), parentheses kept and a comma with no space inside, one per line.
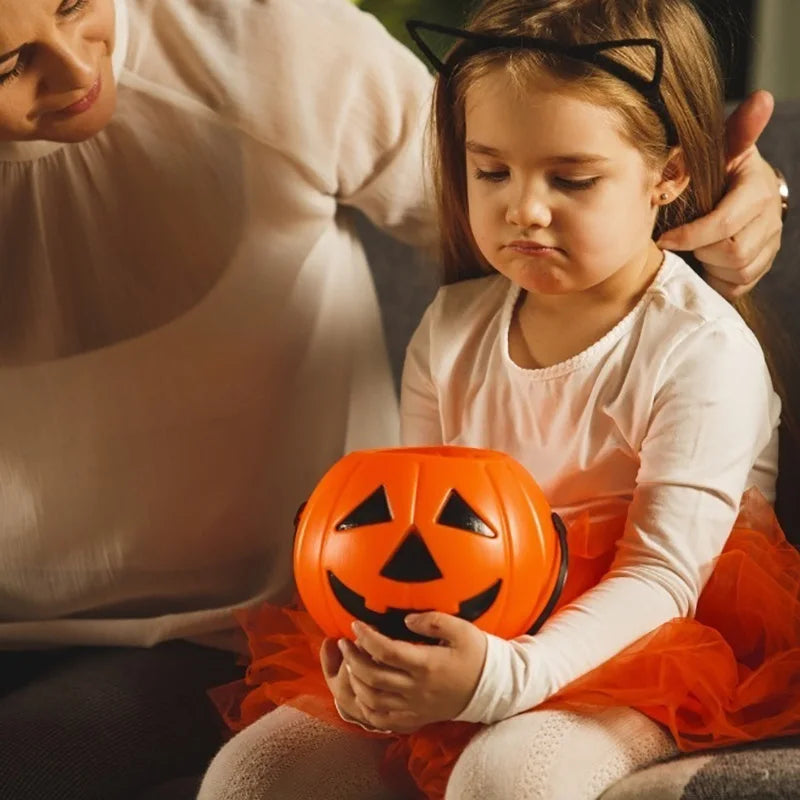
(399,686)
(338,680)
(738,241)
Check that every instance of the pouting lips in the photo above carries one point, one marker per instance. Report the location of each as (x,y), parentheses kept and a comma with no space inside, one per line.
(391,622)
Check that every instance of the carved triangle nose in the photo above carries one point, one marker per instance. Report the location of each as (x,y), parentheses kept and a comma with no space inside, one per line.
(412,562)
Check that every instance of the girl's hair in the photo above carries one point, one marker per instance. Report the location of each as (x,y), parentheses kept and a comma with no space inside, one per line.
(691,87)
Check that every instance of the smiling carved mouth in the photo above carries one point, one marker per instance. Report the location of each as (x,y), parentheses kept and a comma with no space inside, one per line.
(391,622)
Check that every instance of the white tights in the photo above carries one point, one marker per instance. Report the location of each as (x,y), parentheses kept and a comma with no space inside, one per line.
(557,755)
(541,755)
(289,755)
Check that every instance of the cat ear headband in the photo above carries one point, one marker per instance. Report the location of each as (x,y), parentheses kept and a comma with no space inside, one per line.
(472,42)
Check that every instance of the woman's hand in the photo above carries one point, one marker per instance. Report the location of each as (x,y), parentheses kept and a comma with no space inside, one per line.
(738,241)
(400,686)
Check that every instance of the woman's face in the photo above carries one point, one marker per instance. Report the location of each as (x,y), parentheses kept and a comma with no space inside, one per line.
(56,80)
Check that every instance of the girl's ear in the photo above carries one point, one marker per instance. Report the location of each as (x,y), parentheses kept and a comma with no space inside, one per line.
(674,179)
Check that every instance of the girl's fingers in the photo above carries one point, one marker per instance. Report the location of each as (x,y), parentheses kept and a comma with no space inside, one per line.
(391,652)
(330,657)
(378,676)
(374,700)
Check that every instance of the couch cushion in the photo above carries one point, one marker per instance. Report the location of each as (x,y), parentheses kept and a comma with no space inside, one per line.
(768,771)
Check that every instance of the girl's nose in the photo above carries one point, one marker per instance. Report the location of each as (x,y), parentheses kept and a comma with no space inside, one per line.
(528,210)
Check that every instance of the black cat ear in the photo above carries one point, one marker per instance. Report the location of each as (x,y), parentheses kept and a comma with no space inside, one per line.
(414,26)
(598,53)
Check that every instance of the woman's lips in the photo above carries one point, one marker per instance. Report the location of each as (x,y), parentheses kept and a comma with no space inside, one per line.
(85,103)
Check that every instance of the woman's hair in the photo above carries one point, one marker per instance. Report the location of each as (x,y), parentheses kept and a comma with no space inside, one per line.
(691,87)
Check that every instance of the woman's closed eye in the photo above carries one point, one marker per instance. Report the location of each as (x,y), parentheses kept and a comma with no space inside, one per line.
(66,9)
(17,69)
(14,72)
(71,7)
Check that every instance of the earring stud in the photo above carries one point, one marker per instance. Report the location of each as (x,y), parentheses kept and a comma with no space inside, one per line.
(664,197)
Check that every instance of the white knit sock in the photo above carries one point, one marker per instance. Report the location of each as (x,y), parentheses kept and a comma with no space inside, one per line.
(557,755)
(289,755)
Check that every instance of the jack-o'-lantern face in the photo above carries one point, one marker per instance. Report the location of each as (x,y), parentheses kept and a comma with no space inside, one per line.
(464,531)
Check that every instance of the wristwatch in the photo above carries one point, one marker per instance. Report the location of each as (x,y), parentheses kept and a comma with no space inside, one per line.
(783,191)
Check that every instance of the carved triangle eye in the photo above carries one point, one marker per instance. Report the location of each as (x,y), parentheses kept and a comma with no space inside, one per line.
(372,511)
(457,513)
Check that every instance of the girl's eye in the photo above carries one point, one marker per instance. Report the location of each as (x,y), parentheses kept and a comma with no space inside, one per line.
(494,176)
(68,8)
(576,185)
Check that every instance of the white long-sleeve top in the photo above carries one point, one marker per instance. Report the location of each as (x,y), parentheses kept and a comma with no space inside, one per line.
(189,335)
(670,416)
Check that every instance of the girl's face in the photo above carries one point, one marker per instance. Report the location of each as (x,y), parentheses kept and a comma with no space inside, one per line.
(559,202)
(56,80)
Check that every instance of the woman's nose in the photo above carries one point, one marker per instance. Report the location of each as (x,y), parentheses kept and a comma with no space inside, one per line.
(528,208)
(67,65)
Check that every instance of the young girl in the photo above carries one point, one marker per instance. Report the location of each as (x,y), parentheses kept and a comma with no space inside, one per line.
(635,395)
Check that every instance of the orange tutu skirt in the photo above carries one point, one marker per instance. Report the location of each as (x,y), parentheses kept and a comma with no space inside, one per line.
(729,675)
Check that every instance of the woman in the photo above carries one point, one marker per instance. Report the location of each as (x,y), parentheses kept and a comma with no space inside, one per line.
(188,338)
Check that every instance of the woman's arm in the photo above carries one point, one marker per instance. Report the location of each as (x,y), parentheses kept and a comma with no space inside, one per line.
(327,86)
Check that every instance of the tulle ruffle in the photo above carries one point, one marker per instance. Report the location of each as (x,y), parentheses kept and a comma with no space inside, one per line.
(729,675)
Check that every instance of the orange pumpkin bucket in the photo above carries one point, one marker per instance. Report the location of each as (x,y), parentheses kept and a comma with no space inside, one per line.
(460,530)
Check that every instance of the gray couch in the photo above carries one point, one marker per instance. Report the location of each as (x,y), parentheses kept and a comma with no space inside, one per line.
(763,771)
